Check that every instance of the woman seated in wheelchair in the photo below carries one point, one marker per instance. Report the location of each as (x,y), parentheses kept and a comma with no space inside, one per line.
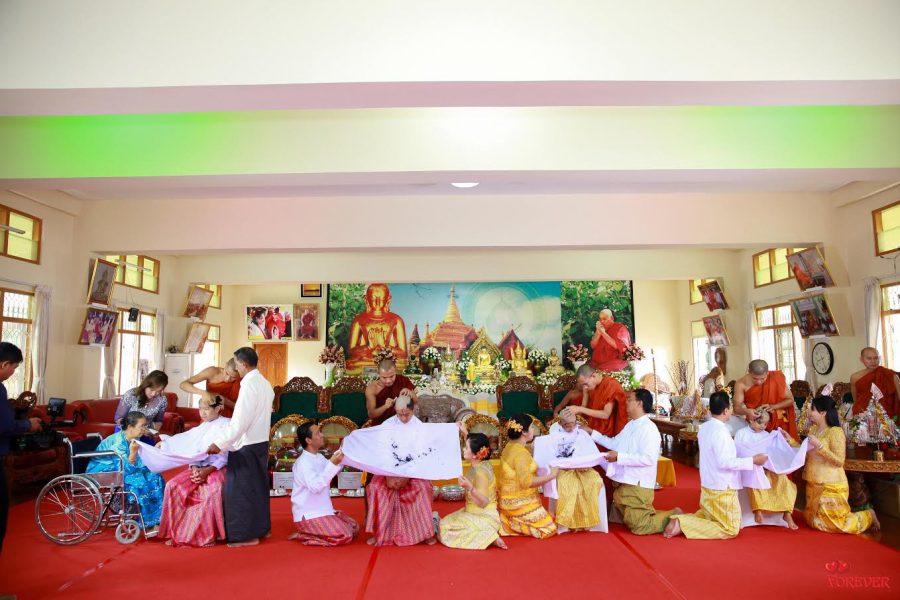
(147,487)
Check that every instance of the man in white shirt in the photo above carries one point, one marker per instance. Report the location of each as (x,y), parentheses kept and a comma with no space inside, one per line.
(318,524)
(719,516)
(633,456)
(246,494)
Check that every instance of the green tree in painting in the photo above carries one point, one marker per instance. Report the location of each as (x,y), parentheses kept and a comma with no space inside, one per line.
(583,300)
(345,301)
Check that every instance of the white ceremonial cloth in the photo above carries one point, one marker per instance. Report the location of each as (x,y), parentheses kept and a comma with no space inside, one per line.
(188,448)
(416,450)
(575,450)
(783,459)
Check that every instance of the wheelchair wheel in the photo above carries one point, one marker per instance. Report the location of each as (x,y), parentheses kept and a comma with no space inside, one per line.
(67,511)
(128,531)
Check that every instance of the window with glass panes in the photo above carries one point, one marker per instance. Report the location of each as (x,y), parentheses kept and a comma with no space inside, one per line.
(209,357)
(779,342)
(137,342)
(216,300)
(890,325)
(771,266)
(25,245)
(704,353)
(696,296)
(137,271)
(16,323)
(886,222)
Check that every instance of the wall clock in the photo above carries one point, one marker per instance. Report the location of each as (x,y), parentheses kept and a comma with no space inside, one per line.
(822,358)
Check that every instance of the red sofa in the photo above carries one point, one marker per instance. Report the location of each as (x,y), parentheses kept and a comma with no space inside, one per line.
(99,416)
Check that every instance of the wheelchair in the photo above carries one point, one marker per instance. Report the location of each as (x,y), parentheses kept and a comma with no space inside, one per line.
(71,508)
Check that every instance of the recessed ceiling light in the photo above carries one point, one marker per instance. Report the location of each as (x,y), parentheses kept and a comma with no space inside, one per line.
(465,184)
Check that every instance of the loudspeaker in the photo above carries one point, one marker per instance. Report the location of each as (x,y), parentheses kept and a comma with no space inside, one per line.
(133,314)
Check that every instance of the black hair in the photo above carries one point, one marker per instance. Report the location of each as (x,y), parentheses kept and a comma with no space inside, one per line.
(131,419)
(217,401)
(718,402)
(152,380)
(10,353)
(825,404)
(646,399)
(247,356)
(477,441)
(524,422)
(304,432)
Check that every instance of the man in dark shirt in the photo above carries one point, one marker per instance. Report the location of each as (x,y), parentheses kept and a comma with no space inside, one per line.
(10,359)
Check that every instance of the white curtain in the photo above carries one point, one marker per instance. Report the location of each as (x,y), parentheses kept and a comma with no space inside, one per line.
(40,340)
(752,338)
(160,345)
(108,356)
(872,310)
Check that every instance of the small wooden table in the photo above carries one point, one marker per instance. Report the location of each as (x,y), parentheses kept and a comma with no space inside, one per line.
(856,467)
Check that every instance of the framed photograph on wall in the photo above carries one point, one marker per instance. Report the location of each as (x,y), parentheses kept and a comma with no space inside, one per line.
(98,328)
(814,317)
(713,296)
(715,331)
(306,323)
(310,290)
(270,322)
(198,302)
(196,337)
(809,269)
(103,277)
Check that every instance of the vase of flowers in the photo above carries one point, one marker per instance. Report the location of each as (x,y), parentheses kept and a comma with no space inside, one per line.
(577,355)
(383,353)
(331,356)
(537,360)
(431,357)
(633,353)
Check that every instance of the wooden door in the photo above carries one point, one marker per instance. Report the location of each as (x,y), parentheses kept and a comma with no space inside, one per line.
(272,362)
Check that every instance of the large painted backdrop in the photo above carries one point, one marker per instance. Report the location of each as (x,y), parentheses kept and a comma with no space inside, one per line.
(410,317)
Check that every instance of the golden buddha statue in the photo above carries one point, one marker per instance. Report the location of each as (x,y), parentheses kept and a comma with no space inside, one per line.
(518,364)
(484,370)
(554,366)
(374,328)
(448,367)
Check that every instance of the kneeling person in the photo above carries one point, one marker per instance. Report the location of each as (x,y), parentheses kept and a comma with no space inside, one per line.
(318,524)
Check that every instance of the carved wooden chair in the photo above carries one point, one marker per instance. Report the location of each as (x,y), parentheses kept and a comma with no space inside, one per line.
(800,390)
(558,390)
(299,396)
(347,398)
(521,395)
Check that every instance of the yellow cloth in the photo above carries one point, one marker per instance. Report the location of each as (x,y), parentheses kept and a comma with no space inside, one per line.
(521,511)
(719,517)
(635,504)
(827,509)
(665,472)
(578,490)
(826,465)
(779,498)
(473,527)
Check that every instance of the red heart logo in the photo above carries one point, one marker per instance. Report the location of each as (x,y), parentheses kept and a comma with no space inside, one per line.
(831,567)
(842,566)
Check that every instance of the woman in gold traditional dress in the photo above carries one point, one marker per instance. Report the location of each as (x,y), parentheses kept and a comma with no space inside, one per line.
(476,526)
(521,511)
(826,483)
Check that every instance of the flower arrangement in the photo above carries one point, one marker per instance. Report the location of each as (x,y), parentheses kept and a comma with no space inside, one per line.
(431,354)
(481,388)
(625,379)
(502,363)
(537,356)
(577,352)
(547,379)
(633,353)
(332,354)
(681,373)
(383,353)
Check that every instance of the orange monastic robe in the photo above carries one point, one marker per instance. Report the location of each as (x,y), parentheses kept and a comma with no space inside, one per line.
(773,392)
(884,379)
(608,390)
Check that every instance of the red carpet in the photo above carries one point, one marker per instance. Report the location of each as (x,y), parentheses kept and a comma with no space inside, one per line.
(760,561)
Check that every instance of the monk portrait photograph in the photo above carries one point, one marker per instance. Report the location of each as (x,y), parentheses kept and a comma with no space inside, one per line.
(713,296)
(715,331)
(198,302)
(808,267)
(103,276)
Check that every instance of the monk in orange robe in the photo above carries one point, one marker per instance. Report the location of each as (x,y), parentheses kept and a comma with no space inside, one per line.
(861,384)
(603,401)
(762,389)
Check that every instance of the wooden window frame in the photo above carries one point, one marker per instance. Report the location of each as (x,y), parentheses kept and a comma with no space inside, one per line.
(886,313)
(4,243)
(876,217)
(218,288)
(123,317)
(773,327)
(771,256)
(26,351)
(120,272)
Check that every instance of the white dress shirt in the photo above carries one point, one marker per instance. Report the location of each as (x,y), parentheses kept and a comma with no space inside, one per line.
(311,496)
(252,413)
(719,464)
(638,448)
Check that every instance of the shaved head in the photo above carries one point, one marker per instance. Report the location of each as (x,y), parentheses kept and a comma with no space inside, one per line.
(566,418)
(386,365)
(758,367)
(585,371)
(607,313)
(868,349)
